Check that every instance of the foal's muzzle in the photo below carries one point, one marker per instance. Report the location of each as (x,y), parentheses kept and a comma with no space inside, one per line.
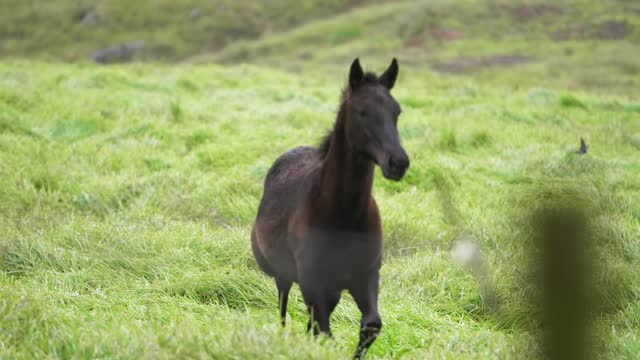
(395,166)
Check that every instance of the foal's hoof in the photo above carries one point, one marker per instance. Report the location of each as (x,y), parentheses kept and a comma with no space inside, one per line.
(368,335)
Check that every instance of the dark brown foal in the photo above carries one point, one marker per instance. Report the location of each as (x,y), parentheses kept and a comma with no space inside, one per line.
(318,224)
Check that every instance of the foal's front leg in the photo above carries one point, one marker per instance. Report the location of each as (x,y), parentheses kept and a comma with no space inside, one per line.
(366,297)
(331,303)
(318,305)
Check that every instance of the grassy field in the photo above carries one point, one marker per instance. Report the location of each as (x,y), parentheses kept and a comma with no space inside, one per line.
(127,192)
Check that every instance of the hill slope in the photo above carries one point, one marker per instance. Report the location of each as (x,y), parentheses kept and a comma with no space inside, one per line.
(574,44)
(568,44)
(71,30)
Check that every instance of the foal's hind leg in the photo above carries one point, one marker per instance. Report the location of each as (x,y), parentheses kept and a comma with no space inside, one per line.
(283,297)
(366,297)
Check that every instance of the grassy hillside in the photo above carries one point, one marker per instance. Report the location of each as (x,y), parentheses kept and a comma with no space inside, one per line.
(568,44)
(71,30)
(127,195)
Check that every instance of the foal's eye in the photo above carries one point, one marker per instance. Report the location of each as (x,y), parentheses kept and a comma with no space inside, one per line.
(362,113)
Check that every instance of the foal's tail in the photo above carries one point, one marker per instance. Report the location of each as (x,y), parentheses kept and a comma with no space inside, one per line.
(257,253)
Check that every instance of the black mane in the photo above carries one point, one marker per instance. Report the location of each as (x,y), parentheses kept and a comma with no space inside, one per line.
(368,79)
(325,143)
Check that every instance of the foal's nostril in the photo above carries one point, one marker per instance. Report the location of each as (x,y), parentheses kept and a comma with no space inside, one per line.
(404,162)
(396,167)
(398,163)
(392,163)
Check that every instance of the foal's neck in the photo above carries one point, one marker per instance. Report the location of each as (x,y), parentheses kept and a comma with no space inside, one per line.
(347,175)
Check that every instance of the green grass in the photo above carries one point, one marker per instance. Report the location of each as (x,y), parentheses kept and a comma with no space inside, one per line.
(127,196)
(127,193)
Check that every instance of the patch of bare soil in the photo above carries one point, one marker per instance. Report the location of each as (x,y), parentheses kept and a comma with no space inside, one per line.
(532,11)
(414,41)
(608,30)
(117,53)
(469,64)
(435,32)
(444,34)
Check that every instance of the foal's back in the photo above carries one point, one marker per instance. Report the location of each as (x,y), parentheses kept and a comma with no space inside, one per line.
(288,181)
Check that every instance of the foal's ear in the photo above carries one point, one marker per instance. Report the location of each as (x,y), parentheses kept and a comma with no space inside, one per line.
(356,74)
(388,79)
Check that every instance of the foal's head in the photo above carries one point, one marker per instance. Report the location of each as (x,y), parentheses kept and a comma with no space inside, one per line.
(372,117)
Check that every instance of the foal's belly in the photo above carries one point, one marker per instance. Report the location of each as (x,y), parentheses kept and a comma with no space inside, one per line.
(338,258)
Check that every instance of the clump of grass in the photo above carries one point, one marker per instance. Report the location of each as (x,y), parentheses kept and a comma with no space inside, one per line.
(448,140)
(570,101)
(444,184)
(346,33)
(228,287)
(175,109)
(156,164)
(413,102)
(634,140)
(480,139)
(199,137)
(23,318)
